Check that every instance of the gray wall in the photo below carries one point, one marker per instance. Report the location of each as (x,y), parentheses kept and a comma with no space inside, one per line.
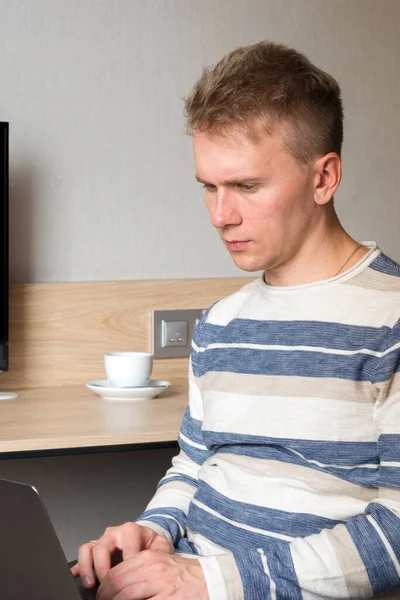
(102,182)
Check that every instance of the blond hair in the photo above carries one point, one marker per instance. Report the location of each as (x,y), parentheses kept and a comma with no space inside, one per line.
(270,84)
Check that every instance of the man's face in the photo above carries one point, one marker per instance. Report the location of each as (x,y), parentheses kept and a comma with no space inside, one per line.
(260,200)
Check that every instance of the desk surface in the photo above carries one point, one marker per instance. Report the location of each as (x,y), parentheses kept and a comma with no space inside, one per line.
(62,418)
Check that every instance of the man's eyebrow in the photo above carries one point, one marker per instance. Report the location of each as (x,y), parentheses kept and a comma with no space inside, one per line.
(232,181)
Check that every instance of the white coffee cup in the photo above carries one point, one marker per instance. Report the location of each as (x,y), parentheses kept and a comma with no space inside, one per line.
(128,369)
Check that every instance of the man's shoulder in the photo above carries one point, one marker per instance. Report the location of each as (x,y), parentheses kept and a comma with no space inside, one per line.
(386,265)
(382,274)
(226,308)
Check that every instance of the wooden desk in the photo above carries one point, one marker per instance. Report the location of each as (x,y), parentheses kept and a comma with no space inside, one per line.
(72,420)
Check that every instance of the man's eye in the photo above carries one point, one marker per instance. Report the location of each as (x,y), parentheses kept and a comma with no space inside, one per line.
(248,186)
(209,186)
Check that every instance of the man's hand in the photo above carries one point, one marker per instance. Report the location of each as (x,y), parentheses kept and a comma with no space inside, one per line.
(129,539)
(155,576)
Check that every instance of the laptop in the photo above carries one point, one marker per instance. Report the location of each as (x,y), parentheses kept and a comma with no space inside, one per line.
(32,563)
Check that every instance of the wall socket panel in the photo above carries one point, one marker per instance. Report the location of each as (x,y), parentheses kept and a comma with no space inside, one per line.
(163,331)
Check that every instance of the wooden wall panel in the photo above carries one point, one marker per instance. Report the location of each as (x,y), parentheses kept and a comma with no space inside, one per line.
(59,332)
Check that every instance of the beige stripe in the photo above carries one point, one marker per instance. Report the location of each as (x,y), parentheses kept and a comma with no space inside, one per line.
(389,493)
(231,575)
(387,389)
(276,385)
(358,586)
(321,482)
(394,387)
(374,280)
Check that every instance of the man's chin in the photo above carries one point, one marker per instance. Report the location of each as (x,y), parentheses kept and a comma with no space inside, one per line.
(246,264)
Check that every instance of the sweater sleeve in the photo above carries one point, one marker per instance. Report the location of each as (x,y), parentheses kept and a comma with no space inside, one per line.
(167,512)
(357,559)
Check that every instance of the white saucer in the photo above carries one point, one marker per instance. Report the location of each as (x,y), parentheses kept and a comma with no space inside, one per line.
(8,396)
(128,394)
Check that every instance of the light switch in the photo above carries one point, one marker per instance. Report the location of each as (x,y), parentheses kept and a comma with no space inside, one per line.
(178,325)
(174,333)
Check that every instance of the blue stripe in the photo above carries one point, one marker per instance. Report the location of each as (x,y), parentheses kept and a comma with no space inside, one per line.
(255,582)
(389,447)
(298,363)
(389,477)
(196,363)
(225,534)
(337,453)
(191,428)
(283,573)
(198,331)
(384,264)
(325,334)
(388,365)
(389,523)
(195,454)
(356,475)
(268,519)
(380,568)
(184,546)
(160,517)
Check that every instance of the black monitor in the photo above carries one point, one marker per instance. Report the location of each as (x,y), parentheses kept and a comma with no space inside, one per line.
(4,246)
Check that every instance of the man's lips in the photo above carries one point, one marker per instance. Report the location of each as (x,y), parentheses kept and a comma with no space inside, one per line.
(236,245)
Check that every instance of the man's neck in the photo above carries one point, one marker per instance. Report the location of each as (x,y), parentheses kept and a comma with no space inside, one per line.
(329,252)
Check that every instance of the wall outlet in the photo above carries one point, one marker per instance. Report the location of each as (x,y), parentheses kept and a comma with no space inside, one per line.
(172,331)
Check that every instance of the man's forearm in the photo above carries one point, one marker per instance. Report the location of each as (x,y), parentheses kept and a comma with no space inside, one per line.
(355,560)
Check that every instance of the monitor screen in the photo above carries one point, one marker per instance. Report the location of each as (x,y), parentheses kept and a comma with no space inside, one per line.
(4,246)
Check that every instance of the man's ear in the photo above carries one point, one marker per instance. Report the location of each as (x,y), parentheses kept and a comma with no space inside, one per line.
(328,174)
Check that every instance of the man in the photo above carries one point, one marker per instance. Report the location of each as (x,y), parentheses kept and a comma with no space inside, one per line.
(287,484)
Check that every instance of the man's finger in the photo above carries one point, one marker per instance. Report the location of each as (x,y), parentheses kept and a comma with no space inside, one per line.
(84,568)
(131,540)
(101,553)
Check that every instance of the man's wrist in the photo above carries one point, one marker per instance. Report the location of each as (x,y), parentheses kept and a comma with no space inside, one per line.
(157,529)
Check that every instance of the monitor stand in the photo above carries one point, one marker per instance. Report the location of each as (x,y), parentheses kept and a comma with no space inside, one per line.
(8,396)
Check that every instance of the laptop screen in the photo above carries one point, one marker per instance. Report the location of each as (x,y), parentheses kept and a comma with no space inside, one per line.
(32,563)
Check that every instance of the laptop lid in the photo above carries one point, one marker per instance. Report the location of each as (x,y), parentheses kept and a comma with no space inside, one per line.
(32,563)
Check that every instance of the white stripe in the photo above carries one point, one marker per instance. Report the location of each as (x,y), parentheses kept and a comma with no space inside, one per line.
(191,443)
(173,496)
(195,401)
(385,543)
(182,531)
(247,480)
(390,463)
(288,417)
(316,564)
(320,464)
(319,349)
(267,572)
(203,545)
(316,302)
(195,347)
(278,536)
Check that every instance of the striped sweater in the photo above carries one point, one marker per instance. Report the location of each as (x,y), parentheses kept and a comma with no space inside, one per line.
(287,484)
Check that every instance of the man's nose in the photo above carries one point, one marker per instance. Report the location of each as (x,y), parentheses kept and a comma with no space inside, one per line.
(224,210)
